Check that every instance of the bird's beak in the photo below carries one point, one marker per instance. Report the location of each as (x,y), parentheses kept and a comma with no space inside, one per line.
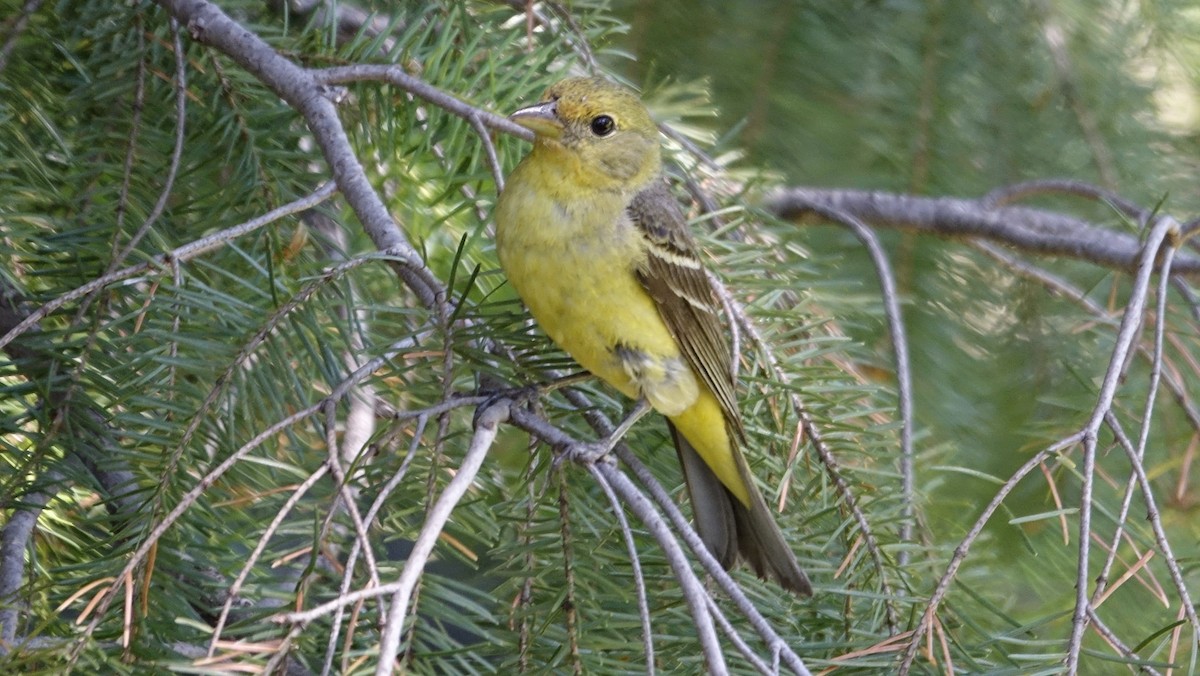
(541,119)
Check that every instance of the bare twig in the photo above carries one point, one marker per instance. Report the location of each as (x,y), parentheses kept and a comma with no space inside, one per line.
(960,552)
(1110,637)
(1130,325)
(395,75)
(693,592)
(490,150)
(739,643)
(1147,414)
(372,512)
(346,493)
(263,540)
(1066,289)
(774,642)
(1011,193)
(151,539)
(1188,607)
(636,565)
(659,494)
(487,424)
(891,306)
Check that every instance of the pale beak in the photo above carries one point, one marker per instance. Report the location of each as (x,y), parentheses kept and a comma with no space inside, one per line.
(541,119)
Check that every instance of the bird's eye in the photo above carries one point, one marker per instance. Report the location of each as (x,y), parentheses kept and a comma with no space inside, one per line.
(603,125)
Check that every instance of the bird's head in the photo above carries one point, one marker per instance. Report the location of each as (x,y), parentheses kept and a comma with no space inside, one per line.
(600,127)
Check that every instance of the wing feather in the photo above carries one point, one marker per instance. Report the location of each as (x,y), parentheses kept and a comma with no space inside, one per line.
(674,276)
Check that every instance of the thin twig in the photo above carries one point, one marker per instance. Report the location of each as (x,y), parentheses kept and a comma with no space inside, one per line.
(659,494)
(1155,518)
(160,204)
(1068,290)
(185,503)
(269,532)
(489,149)
(346,494)
(964,546)
(635,563)
(1147,414)
(693,592)
(487,424)
(895,320)
(1110,637)
(182,254)
(739,643)
(384,493)
(1018,191)
(1130,325)
(395,75)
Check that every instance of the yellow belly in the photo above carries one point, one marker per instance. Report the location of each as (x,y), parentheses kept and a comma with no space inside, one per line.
(572,262)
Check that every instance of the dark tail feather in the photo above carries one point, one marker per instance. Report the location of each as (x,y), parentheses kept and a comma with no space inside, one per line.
(760,541)
(711,504)
(729,528)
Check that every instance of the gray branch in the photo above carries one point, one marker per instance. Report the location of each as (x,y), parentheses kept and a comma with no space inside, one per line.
(207,24)
(1033,230)
(14,538)
(87,440)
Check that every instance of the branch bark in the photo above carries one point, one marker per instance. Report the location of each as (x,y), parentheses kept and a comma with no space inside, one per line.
(1033,230)
(299,87)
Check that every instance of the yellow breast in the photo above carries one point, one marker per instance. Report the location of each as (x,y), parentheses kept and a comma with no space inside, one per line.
(571,258)
(571,254)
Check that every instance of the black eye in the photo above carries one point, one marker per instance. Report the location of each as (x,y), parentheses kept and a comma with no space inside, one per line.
(603,125)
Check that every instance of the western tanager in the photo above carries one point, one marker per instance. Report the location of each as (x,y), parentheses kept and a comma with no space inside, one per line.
(591,238)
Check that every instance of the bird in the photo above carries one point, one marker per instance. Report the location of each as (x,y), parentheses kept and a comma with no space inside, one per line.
(592,240)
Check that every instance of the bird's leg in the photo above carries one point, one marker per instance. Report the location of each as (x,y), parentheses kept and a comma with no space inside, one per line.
(595,451)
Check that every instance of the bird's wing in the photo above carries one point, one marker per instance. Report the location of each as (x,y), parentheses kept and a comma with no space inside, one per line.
(674,277)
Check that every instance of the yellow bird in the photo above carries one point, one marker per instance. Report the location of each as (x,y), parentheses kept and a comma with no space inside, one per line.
(598,249)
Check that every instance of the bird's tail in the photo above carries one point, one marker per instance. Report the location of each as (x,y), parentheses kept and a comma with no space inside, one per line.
(729,528)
